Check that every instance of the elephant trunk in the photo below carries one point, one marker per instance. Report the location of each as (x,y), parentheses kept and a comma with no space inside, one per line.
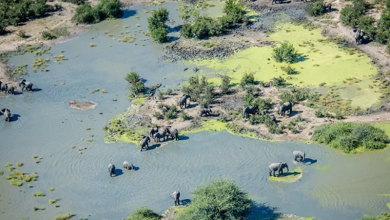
(304,155)
(287,168)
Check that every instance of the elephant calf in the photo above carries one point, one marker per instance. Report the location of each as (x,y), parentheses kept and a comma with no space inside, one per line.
(273,167)
(7,114)
(144,143)
(157,136)
(176,196)
(128,166)
(205,111)
(111,169)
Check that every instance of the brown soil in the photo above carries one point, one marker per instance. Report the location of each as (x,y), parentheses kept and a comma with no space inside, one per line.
(82,105)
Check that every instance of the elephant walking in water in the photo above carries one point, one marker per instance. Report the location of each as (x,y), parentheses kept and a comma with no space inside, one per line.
(26,85)
(287,106)
(183,100)
(174,133)
(176,196)
(128,166)
(248,110)
(273,167)
(9,89)
(157,136)
(299,154)
(144,143)
(7,114)
(111,169)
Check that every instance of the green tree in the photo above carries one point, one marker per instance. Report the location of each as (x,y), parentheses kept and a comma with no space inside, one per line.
(225,84)
(144,213)
(383,26)
(316,8)
(109,9)
(136,85)
(85,14)
(285,53)
(247,79)
(366,23)
(186,31)
(218,200)
(157,27)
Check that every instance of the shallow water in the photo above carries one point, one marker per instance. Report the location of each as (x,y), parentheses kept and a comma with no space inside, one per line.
(336,186)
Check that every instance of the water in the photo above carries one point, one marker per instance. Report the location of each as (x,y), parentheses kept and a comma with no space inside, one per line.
(336,186)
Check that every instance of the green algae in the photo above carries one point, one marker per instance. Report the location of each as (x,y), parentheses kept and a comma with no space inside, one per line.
(385,126)
(121,130)
(288,177)
(316,65)
(138,101)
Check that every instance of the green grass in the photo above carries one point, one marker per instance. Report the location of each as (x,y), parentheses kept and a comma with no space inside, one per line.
(51,189)
(39,194)
(19,164)
(35,156)
(288,177)
(66,216)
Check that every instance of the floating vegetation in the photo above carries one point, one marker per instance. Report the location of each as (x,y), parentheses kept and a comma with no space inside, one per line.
(95,90)
(40,63)
(66,216)
(4,57)
(19,164)
(92,45)
(1,173)
(125,26)
(35,156)
(52,201)
(39,194)
(60,57)
(288,177)
(137,25)
(19,69)
(128,39)
(39,208)
(103,91)
(51,189)
(8,165)
(16,177)
(43,51)
(26,49)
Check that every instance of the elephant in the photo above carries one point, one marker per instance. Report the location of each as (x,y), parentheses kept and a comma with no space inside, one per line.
(144,143)
(272,117)
(273,167)
(1,88)
(205,111)
(26,85)
(358,36)
(7,114)
(157,136)
(248,110)
(287,106)
(9,89)
(174,133)
(153,131)
(299,154)
(183,100)
(276,1)
(176,196)
(111,169)
(327,6)
(127,165)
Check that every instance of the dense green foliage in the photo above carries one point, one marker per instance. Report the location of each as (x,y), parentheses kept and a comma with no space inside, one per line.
(383,27)
(350,14)
(66,216)
(225,85)
(316,8)
(106,9)
(285,53)
(247,79)
(46,35)
(143,213)
(279,81)
(136,85)
(205,26)
(76,2)
(366,23)
(383,216)
(293,95)
(13,12)
(157,27)
(218,200)
(200,90)
(349,136)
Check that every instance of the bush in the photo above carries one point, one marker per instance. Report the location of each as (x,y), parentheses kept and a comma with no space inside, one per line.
(157,27)
(316,8)
(387,4)
(168,92)
(247,79)
(220,199)
(383,26)
(263,104)
(200,90)
(136,85)
(22,34)
(366,23)
(46,35)
(388,47)
(186,31)
(66,216)
(279,81)
(171,113)
(383,216)
(144,213)
(350,14)
(225,84)
(76,2)
(85,14)
(349,136)
(106,9)
(293,95)
(290,71)
(285,53)
(235,11)
(184,116)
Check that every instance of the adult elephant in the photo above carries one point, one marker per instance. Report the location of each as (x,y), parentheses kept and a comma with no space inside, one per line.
(358,36)
(248,110)
(111,169)
(176,196)
(327,6)
(7,114)
(205,111)
(174,133)
(273,167)
(9,89)
(299,155)
(26,85)
(157,136)
(128,166)
(183,100)
(1,87)
(144,143)
(287,106)
(153,131)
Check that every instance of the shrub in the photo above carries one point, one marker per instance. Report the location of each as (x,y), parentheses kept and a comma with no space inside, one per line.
(383,25)
(21,34)
(186,31)
(316,8)
(388,47)
(383,216)
(279,81)
(289,70)
(184,116)
(220,199)
(46,35)
(143,213)
(366,23)
(349,136)
(293,95)
(66,216)
(85,14)
(235,10)
(105,9)
(200,90)
(60,31)
(225,85)
(319,113)
(168,92)
(350,14)
(263,104)
(247,79)
(284,53)
(76,2)
(136,85)
(157,27)
(160,95)
(170,114)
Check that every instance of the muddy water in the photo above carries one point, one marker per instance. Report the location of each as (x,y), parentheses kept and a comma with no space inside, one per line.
(334,186)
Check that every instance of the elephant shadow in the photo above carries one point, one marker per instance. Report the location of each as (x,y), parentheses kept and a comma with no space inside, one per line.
(154,146)
(128,13)
(135,168)
(14,117)
(118,172)
(309,161)
(293,113)
(36,90)
(185,202)
(267,212)
(183,138)
(192,106)
(285,174)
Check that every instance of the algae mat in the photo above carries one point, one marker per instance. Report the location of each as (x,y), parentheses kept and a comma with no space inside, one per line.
(288,177)
(320,62)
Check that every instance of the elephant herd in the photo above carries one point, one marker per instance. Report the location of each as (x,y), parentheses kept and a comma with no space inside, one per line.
(250,110)
(299,156)
(157,135)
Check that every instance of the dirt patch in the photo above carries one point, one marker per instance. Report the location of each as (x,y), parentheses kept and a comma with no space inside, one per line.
(82,105)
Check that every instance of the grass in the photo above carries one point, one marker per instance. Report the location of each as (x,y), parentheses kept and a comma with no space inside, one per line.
(92,45)
(16,177)
(1,173)
(19,164)
(39,194)
(51,189)
(288,177)
(103,91)
(66,216)
(39,208)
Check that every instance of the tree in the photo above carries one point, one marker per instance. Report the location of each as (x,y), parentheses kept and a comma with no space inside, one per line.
(157,27)
(218,200)
(144,213)
(85,14)
(383,27)
(285,53)
(316,8)
(225,85)
(136,85)
(109,9)
(366,23)
(247,79)
(106,9)
(350,14)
